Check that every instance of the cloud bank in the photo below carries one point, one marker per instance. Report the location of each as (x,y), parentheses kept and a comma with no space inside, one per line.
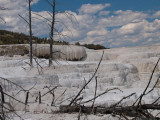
(94,23)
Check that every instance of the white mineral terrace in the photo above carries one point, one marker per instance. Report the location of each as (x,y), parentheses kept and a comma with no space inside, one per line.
(128,69)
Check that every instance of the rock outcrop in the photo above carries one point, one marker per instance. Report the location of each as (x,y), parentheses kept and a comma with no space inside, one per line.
(64,52)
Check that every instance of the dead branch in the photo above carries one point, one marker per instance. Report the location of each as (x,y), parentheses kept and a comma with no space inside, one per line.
(27,95)
(9,81)
(153,86)
(156,100)
(13,98)
(2,94)
(122,100)
(79,115)
(39,97)
(106,91)
(60,95)
(150,79)
(14,113)
(40,71)
(95,93)
(49,91)
(128,110)
(87,82)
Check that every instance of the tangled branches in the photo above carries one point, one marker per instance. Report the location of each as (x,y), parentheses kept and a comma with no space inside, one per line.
(135,111)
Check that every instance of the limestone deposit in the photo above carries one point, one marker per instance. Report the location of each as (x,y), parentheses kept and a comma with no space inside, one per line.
(129,69)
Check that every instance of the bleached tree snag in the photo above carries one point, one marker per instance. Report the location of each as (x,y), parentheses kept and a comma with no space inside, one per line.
(30,32)
(51,23)
(51,33)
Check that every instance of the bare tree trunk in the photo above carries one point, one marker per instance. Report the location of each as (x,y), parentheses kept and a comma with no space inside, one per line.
(30,32)
(51,33)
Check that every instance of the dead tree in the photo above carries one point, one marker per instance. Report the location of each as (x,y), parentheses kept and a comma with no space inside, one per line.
(51,33)
(4,93)
(29,22)
(51,23)
(30,32)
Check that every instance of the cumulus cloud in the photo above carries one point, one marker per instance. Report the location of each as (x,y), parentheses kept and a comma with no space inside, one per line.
(140,33)
(11,15)
(104,12)
(121,18)
(130,28)
(92,8)
(98,32)
(93,24)
(157,14)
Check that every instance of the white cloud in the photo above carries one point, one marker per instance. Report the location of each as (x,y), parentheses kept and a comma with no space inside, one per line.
(122,17)
(130,28)
(92,8)
(104,12)
(140,33)
(111,28)
(98,32)
(157,14)
(139,27)
(10,15)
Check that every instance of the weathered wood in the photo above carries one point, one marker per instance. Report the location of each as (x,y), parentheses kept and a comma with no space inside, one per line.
(2,94)
(30,33)
(52,29)
(131,111)
(27,95)
(39,97)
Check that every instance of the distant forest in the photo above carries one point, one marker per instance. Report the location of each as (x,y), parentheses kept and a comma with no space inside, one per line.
(8,37)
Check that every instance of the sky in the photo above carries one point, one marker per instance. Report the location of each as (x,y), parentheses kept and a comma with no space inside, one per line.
(111,23)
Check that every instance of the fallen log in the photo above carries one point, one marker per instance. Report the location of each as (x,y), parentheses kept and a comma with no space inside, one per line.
(131,111)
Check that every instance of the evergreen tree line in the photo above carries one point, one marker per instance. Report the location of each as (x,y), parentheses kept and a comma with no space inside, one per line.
(8,37)
(92,46)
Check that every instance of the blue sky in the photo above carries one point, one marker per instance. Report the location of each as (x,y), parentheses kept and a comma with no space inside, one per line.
(112,23)
(74,5)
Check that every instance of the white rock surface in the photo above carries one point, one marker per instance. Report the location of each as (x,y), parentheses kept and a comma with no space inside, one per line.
(64,52)
(126,68)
